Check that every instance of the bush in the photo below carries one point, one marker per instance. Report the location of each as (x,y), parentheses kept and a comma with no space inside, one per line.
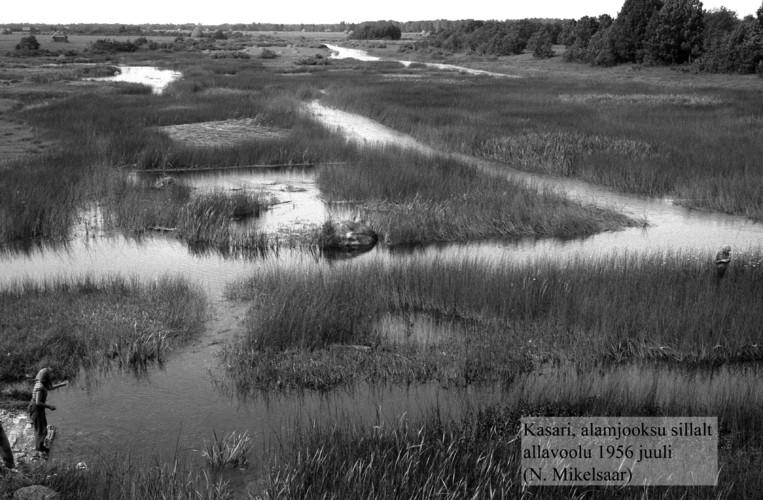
(104,46)
(268,54)
(28,44)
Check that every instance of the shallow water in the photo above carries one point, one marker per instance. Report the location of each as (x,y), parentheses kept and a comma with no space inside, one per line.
(156,78)
(177,406)
(338,52)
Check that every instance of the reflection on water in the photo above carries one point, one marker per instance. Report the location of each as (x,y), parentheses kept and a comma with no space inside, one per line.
(156,78)
(297,202)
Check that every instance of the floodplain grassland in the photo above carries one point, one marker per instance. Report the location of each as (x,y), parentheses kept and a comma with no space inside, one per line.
(69,324)
(697,143)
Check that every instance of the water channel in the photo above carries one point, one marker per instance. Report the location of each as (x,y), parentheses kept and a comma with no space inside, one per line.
(176,406)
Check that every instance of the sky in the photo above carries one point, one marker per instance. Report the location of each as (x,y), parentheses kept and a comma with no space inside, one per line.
(313,11)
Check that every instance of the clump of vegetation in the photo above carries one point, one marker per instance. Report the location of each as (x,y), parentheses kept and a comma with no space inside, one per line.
(231,450)
(230,54)
(28,45)
(268,54)
(315,60)
(208,217)
(103,45)
(87,323)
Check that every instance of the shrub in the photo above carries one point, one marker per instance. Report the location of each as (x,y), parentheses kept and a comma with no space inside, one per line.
(268,54)
(28,44)
(103,45)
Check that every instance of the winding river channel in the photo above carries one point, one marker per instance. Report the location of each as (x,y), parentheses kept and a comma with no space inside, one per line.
(176,406)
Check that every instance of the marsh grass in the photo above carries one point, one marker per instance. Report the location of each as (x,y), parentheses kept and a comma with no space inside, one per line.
(232,449)
(476,454)
(122,477)
(88,323)
(667,308)
(647,139)
(409,197)
(208,217)
(41,196)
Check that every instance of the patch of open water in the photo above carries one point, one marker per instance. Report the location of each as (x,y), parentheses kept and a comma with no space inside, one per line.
(177,406)
(156,78)
(338,52)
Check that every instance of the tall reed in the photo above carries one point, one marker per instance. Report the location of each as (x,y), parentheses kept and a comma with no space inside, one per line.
(69,324)
(514,317)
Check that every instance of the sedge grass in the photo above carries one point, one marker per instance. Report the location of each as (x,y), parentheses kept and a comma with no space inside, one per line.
(123,477)
(89,323)
(232,449)
(645,139)
(662,307)
(476,454)
(409,197)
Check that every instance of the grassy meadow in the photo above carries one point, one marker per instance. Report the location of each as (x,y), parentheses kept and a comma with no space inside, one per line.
(647,335)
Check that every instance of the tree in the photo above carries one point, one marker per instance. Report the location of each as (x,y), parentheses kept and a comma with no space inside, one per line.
(674,34)
(28,44)
(540,43)
(629,29)
(601,51)
(719,22)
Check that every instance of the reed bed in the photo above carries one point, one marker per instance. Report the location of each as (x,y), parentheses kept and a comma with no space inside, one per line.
(648,139)
(42,196)
(88,323)
(476,454)
(409,197)
(515,317)
(208,217)
(122,477)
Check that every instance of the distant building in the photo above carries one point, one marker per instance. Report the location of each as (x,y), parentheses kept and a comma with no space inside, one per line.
(60,37)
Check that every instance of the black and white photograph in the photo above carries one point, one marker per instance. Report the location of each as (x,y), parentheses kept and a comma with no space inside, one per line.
(381,250)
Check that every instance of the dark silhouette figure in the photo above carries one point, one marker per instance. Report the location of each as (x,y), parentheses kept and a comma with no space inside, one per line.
(43,384)
(5,449)
(722,259)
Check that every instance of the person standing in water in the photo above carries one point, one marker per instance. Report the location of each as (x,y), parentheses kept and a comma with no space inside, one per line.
(722,259)
(43,384)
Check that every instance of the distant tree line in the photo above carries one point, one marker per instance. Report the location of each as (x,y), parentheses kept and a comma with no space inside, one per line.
(668,32)
(493,38)
(380,30)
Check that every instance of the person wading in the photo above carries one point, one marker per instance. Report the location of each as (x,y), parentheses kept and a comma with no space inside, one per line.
(43,384)
(722,259)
